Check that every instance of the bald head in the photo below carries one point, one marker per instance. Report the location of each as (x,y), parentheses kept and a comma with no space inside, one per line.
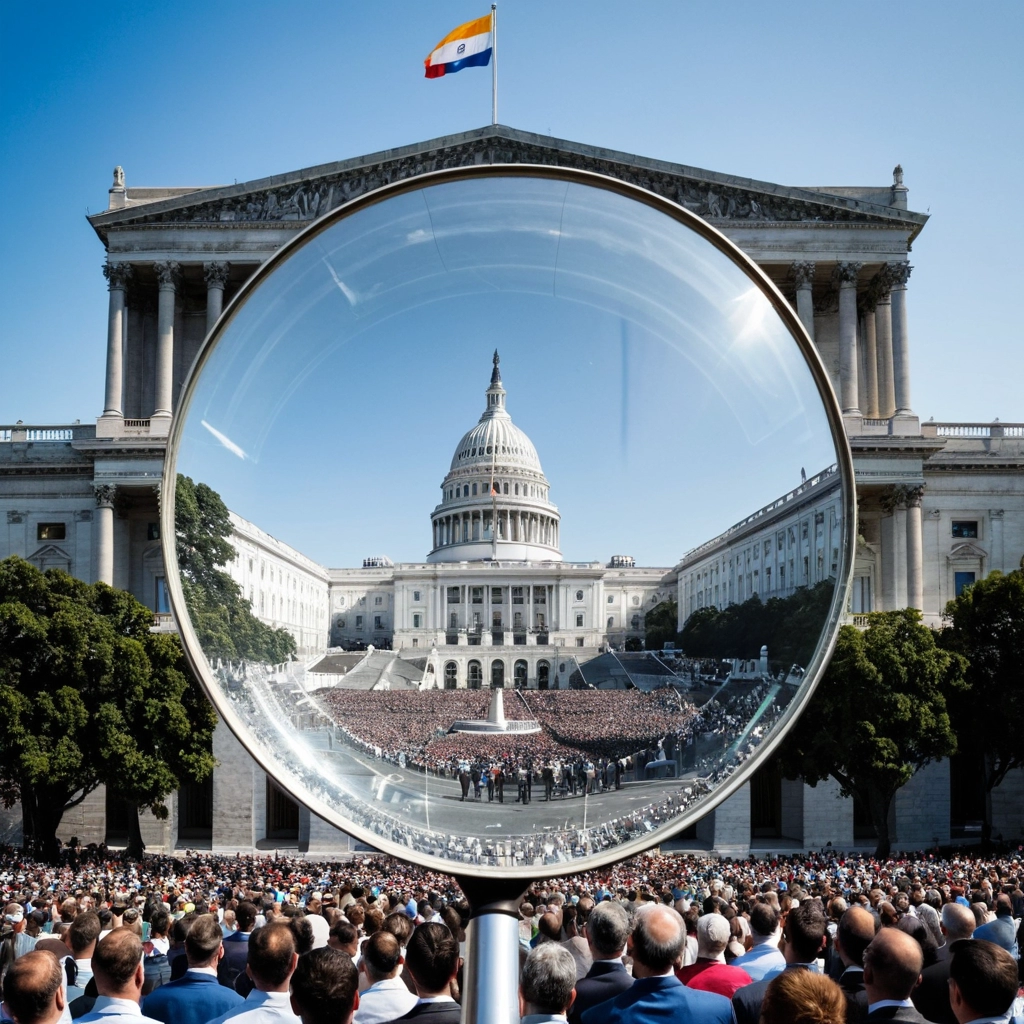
(656,943)
(33,993)
(856,930)
(892,965)
(958,922)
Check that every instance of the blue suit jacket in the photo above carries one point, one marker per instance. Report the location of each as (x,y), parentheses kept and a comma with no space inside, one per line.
(236,955)
(665,998)
(603,981)
(193,999)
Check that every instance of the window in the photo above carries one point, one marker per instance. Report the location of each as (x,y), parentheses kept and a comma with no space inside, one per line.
(417,621)
(475,675)
(496,620)
(961,580)
(579,641)
(474,490)
(579,595)
(636,602)
(453,620)
(540,620)
(478,595)
(359,622)
(163,603)
(579,620)
(495,595)
(505,488)
(517,595)
(153,533)
(415,595)
(51,531)
(519,674)
(376,622)
(635,622)
(341,623)
(517,620)
(453,595)
(611,621)
(611,599)
(378,601)
(962,528)
(540,597)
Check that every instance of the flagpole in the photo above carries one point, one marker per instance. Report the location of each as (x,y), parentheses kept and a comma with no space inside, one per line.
(494,63)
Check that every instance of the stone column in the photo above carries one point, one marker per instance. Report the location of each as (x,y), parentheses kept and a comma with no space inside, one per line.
(883,341)
(117,275)
(900,560)
(996,552)
(216,277)
(168,276)
(870,364)
(845,275)
(887,588)
(803,275)
(915,550)
(898,274)
(105,495)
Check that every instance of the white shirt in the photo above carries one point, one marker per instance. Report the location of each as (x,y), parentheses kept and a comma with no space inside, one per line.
(383,1001)
(261,1008)
(116,1011)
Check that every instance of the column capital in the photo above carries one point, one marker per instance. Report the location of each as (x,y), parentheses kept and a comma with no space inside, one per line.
(802,273)
(216,274)
(844,275)
(913,496)
(897,274)
(118,275)
(901,496)
(168,274)
(106,495)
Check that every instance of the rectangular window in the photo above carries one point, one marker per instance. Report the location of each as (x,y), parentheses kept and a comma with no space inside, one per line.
(376,622)
(962,580)
(416,595)
(496,620)
(378,601)
(962,528)
(453,620)
(495,595)
(453,595)
(517,595)
(153,533)
(417,621)
(359,622)
(478,595)
(579,621)
(51,531)
(611,599)
(163,602)
(579,641)
(540,597)
(517,620)
(540,620)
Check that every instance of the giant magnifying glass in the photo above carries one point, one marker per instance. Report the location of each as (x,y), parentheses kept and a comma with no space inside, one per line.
(447,465)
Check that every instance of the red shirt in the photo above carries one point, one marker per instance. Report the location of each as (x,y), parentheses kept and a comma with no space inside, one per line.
(714,976)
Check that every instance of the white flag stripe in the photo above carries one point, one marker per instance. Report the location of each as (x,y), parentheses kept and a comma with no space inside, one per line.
(450,51)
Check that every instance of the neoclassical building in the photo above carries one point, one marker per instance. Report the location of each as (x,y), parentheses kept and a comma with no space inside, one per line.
(940,503)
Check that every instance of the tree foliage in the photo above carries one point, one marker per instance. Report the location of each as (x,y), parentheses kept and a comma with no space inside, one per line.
(986,626)
(790,626)
(661,625)
(90,697)
(879,714)
(221,617)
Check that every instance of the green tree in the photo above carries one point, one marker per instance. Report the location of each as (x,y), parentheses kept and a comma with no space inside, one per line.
(661,625)
(986,627)
(90,697)
(221,617)
(878,715)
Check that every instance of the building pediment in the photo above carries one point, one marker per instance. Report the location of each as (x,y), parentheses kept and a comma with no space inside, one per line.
(302,196)
(50,556)
(966,551)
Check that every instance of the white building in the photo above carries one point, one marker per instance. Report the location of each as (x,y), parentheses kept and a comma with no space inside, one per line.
(940,503)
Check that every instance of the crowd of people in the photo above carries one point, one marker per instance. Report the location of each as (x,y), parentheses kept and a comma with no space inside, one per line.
(823,938)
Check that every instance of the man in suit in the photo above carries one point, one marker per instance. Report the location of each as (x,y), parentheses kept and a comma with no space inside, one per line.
(119,975)
(272,961)
(854,934)
(803,937)
(547,985)
(606,931)
(983,981)
(432,959)
(34,990)
(325,987)
(656,945)
(1002,931)
(931,997)
(892,968)
(195,997)
(236,945)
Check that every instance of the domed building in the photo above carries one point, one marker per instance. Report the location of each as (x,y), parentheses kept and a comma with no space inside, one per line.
(494,598)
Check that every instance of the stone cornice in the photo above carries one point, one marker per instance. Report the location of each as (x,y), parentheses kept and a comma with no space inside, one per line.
(301,196)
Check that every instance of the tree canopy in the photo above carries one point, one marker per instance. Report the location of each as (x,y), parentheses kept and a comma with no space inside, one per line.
(986,626)
(221,617)
(879,714)
(90,697)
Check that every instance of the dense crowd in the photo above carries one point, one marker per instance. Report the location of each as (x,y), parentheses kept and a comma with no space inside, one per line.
(740,925)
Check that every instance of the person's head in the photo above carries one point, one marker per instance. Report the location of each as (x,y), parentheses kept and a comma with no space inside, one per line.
(159,923)
(982,980)
(957,922)
(271,957)
(856,930)
(82,934)
(764,920)
(432,958)
(656,941)
(245,916)
(892,965)
(33,990)
(713,933)
(400,925)
(324,987)
(382,956)
(607,930)
(804,932)
(803,997)
(117,965)
(1004,906)
(14,916)
(203,944)
(302,930)
(344,937)
(548,980)
(549,926)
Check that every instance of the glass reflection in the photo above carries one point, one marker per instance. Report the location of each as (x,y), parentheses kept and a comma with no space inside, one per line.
(437,473)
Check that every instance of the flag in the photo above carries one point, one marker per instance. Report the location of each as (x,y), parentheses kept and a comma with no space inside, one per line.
(468,46)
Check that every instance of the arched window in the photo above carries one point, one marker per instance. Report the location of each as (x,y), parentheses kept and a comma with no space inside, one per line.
(497,675)
(451,675)
(474,490)
(517,488)
(506,488)
(611,621)
(543,673)
(519,674)
(476,675)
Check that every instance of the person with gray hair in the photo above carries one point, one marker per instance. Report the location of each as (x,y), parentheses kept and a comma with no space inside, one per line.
(656,945)
(547,985)
(606,931)
(711,973)
(932,996)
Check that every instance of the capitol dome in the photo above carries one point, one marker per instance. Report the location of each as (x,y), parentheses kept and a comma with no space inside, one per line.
(495,476)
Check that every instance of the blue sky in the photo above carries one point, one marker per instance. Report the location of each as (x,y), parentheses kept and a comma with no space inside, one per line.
(796,93)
